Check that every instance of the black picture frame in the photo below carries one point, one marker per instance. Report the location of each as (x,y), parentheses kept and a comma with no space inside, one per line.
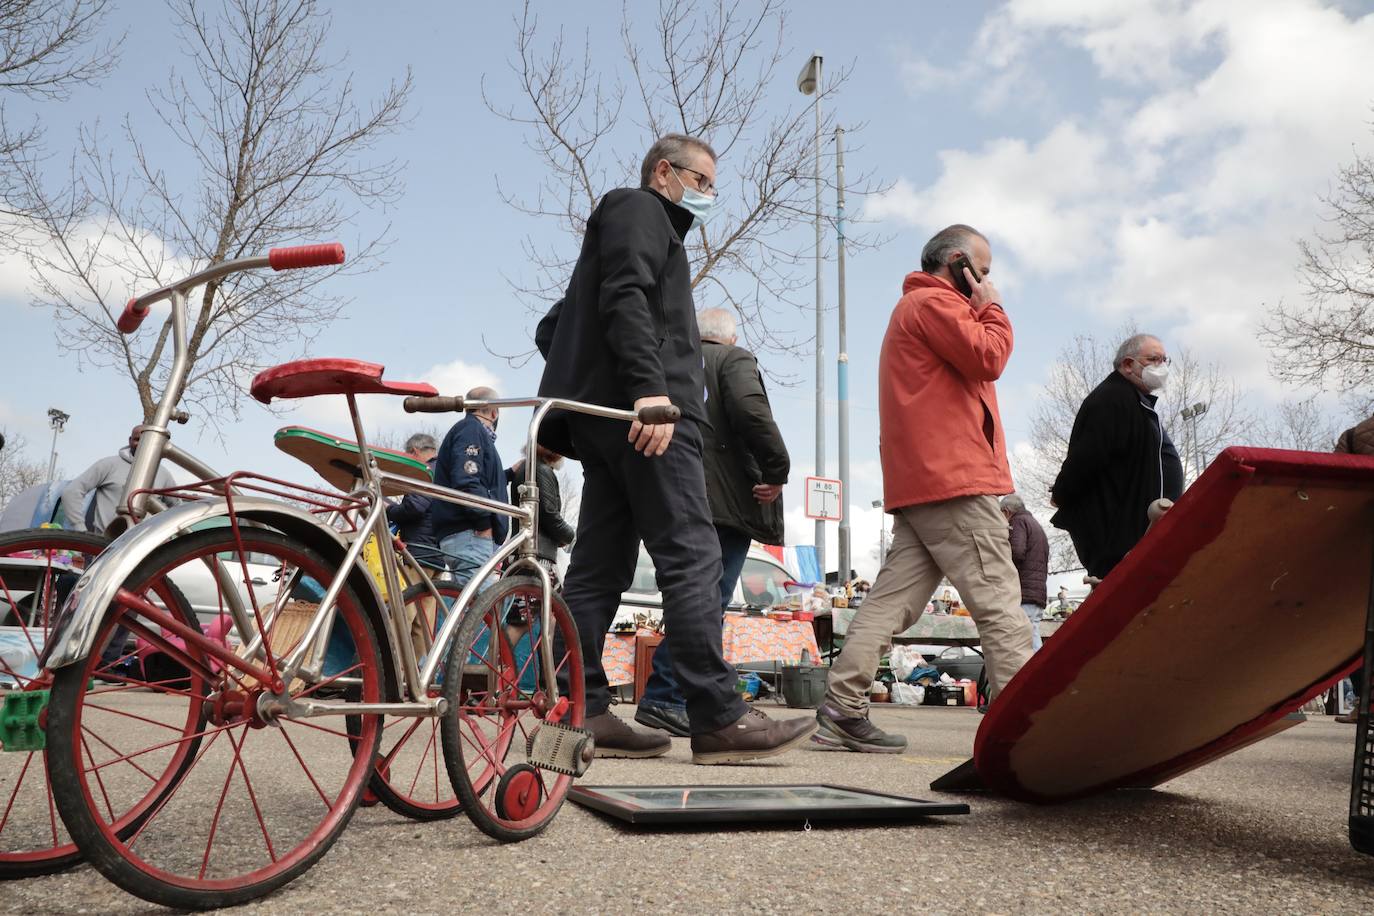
(844,803)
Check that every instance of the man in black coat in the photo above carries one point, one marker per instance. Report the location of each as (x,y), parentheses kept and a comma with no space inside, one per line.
(1119,460)
(746,467)
(1030,554)
(625,335)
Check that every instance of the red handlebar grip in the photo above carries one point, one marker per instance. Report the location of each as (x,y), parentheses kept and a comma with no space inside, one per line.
(652,416)
(433,405)
(306,256)
(131,318)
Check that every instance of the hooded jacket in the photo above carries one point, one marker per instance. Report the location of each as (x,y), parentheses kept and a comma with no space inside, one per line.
(940,433)
(1119,460)
(105,479)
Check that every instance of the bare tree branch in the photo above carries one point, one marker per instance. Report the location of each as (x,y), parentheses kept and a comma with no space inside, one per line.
(47,47)
(17,471)
(710,71)
(284,154)
(1328,341)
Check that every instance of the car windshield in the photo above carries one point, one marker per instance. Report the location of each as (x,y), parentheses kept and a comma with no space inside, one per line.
(763,584)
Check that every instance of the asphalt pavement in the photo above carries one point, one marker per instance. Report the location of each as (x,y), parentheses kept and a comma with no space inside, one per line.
(1260,831)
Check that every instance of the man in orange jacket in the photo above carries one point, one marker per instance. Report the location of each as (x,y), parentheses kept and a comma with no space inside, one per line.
(944,465)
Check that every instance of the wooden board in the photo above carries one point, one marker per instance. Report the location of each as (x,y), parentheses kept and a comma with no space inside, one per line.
(336,460)
(1245,601)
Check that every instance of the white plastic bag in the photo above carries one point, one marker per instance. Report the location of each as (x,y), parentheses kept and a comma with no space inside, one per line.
(907,694)
(904,660)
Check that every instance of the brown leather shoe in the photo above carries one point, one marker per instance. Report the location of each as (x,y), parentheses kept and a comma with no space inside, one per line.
(616,739)
(1348,718)
(751,737)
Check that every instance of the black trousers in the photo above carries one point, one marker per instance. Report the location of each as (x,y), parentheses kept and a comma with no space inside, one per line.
(627,498)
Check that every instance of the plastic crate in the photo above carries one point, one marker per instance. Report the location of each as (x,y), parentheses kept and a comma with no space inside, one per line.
(21,721)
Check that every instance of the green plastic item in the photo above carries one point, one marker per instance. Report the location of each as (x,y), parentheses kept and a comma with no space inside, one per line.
(21,727)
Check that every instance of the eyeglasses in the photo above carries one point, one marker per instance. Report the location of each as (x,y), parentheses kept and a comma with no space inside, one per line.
(704,184)
(1153,360)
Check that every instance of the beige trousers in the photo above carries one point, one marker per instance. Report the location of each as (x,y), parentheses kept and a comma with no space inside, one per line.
(964,539)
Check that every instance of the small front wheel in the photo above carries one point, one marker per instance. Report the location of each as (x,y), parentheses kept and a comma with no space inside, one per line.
(497,698)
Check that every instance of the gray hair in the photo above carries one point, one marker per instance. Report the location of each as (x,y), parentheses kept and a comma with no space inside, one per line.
(672,147)
(945,242)
(421,441)
(1013,503)
(716,324)
(1130,348)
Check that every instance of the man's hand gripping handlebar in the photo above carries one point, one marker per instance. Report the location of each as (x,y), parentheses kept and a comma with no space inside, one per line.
(651,422)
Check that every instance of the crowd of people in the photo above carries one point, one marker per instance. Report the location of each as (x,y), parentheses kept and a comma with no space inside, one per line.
(696,493)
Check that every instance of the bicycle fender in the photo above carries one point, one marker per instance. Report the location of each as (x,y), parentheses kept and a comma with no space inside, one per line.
(73,635)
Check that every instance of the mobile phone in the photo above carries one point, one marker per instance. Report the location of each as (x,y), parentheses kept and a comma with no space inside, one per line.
(956,267)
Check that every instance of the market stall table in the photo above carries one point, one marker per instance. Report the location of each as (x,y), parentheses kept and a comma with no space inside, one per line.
(743,640)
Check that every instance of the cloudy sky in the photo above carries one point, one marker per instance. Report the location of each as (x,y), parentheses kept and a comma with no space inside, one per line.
(1130,160)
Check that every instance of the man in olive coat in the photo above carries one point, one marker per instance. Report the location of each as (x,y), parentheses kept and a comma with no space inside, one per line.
(746,467)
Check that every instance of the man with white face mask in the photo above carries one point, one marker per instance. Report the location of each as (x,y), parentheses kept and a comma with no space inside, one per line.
(1119,460)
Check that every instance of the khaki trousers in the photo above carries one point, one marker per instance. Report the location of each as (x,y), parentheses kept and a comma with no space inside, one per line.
(964,539)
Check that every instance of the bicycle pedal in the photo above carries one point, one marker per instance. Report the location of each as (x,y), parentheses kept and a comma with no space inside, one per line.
(561,748)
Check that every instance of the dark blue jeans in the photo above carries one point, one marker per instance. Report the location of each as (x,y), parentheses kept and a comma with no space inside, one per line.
(662,688)
(626,497)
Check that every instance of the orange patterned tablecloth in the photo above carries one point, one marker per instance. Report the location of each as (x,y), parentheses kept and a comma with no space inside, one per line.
(744,639)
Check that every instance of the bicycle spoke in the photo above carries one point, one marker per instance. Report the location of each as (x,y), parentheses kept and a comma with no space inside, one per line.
(308,775)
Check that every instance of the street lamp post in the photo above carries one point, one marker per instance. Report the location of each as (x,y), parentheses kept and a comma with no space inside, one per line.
(882,534)
(842,360)
(809,83)
(57,420)
(1190,415)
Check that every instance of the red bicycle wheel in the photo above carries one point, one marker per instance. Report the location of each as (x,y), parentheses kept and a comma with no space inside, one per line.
(264,795)
(38,568)
(497,698)
(410,777)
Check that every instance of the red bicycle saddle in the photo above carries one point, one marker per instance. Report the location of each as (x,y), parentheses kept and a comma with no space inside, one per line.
(306,378)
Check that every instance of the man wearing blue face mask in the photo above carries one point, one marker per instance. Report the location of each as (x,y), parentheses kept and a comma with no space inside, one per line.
(1120,459)
(625,335)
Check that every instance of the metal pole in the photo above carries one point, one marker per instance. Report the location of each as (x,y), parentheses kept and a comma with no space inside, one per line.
(842,360)
(57,420)
(820,330)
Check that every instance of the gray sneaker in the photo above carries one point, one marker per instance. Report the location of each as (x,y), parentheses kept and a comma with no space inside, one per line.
(856,733)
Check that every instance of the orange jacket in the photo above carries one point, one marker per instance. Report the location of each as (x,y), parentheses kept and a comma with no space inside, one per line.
(940,433)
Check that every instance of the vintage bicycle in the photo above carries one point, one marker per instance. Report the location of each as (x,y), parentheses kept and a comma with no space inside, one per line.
(263,791)
(39,566)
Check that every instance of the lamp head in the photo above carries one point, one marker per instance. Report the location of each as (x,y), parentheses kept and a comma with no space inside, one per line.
(810,75)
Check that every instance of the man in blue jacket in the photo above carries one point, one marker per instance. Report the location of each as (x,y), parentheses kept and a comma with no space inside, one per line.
(468,461)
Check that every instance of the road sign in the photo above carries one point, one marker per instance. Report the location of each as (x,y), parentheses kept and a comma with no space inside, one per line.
(824,499)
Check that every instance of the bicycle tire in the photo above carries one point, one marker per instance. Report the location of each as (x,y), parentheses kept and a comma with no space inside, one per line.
(169,867)
(489,715)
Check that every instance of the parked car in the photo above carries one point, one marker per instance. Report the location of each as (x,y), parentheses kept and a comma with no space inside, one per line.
(762,583)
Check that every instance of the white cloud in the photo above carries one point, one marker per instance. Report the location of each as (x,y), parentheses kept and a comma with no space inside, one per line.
(1188,197)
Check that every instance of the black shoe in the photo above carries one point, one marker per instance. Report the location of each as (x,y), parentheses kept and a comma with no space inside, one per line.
(856,733)
(671,719)
(616,739)
(751,737)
